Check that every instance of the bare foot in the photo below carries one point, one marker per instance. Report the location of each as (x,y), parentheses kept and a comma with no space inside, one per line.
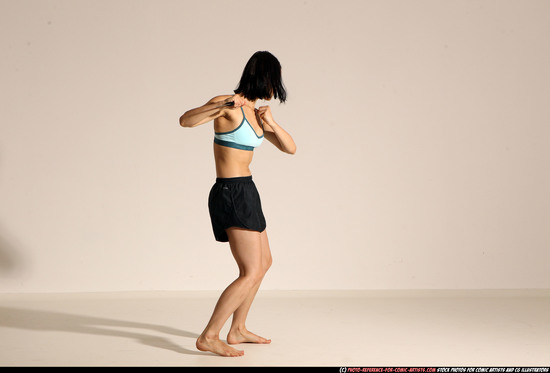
(216,346)
(244,336)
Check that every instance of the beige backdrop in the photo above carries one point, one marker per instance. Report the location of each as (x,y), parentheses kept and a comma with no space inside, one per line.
(422,130)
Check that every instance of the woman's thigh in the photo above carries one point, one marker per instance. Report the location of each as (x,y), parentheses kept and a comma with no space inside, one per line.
(246,247)
(266,251)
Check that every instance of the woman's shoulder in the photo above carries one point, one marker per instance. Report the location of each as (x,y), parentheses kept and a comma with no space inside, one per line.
(219,98)
(228,118)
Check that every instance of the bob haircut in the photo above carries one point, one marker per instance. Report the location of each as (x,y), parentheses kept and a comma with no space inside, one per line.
(261,78)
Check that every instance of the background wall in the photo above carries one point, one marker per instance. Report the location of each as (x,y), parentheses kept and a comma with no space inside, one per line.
(422,130)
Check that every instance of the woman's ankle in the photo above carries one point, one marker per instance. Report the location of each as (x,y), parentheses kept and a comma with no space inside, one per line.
(208,335)
(238,328)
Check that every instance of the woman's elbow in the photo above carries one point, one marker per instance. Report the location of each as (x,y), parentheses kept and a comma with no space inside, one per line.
(292,150)
(183,123)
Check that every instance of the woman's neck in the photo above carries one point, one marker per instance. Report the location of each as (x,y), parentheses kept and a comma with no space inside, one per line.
(248,103)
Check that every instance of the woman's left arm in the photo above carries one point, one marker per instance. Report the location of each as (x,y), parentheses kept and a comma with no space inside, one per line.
(275,133)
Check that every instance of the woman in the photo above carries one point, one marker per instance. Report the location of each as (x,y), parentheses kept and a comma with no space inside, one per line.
(234,203)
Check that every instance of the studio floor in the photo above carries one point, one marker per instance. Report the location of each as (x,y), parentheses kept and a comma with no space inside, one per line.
(394,328)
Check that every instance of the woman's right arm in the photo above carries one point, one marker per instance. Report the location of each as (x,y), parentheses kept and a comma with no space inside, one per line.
(211,110)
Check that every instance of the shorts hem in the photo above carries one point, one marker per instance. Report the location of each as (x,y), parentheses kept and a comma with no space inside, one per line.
(225,237)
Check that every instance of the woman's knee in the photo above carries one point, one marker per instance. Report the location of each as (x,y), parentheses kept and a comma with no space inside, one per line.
(267,264)
(252,278)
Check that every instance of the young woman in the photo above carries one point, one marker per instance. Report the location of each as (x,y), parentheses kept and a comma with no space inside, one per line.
(234,203)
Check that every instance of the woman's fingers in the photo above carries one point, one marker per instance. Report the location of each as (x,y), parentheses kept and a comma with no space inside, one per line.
(238,101)
(265,113)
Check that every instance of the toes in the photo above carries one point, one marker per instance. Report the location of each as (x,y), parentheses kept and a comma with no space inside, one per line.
(237,353)
(247,338)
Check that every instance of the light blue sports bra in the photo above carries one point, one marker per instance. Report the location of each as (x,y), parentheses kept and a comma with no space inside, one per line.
(243,137)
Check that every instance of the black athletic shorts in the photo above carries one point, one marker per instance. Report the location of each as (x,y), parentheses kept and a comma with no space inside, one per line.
(235,202)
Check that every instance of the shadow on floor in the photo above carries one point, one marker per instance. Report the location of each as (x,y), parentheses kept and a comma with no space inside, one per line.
(47,321)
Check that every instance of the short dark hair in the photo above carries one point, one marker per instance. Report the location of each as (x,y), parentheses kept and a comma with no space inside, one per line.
(261,78)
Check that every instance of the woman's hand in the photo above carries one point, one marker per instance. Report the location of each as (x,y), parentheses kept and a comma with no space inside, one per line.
(264,113)
(212,110)
(273,132)
(237,100)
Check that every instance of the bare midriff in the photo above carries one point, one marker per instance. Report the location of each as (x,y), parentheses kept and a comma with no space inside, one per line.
(232,162)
